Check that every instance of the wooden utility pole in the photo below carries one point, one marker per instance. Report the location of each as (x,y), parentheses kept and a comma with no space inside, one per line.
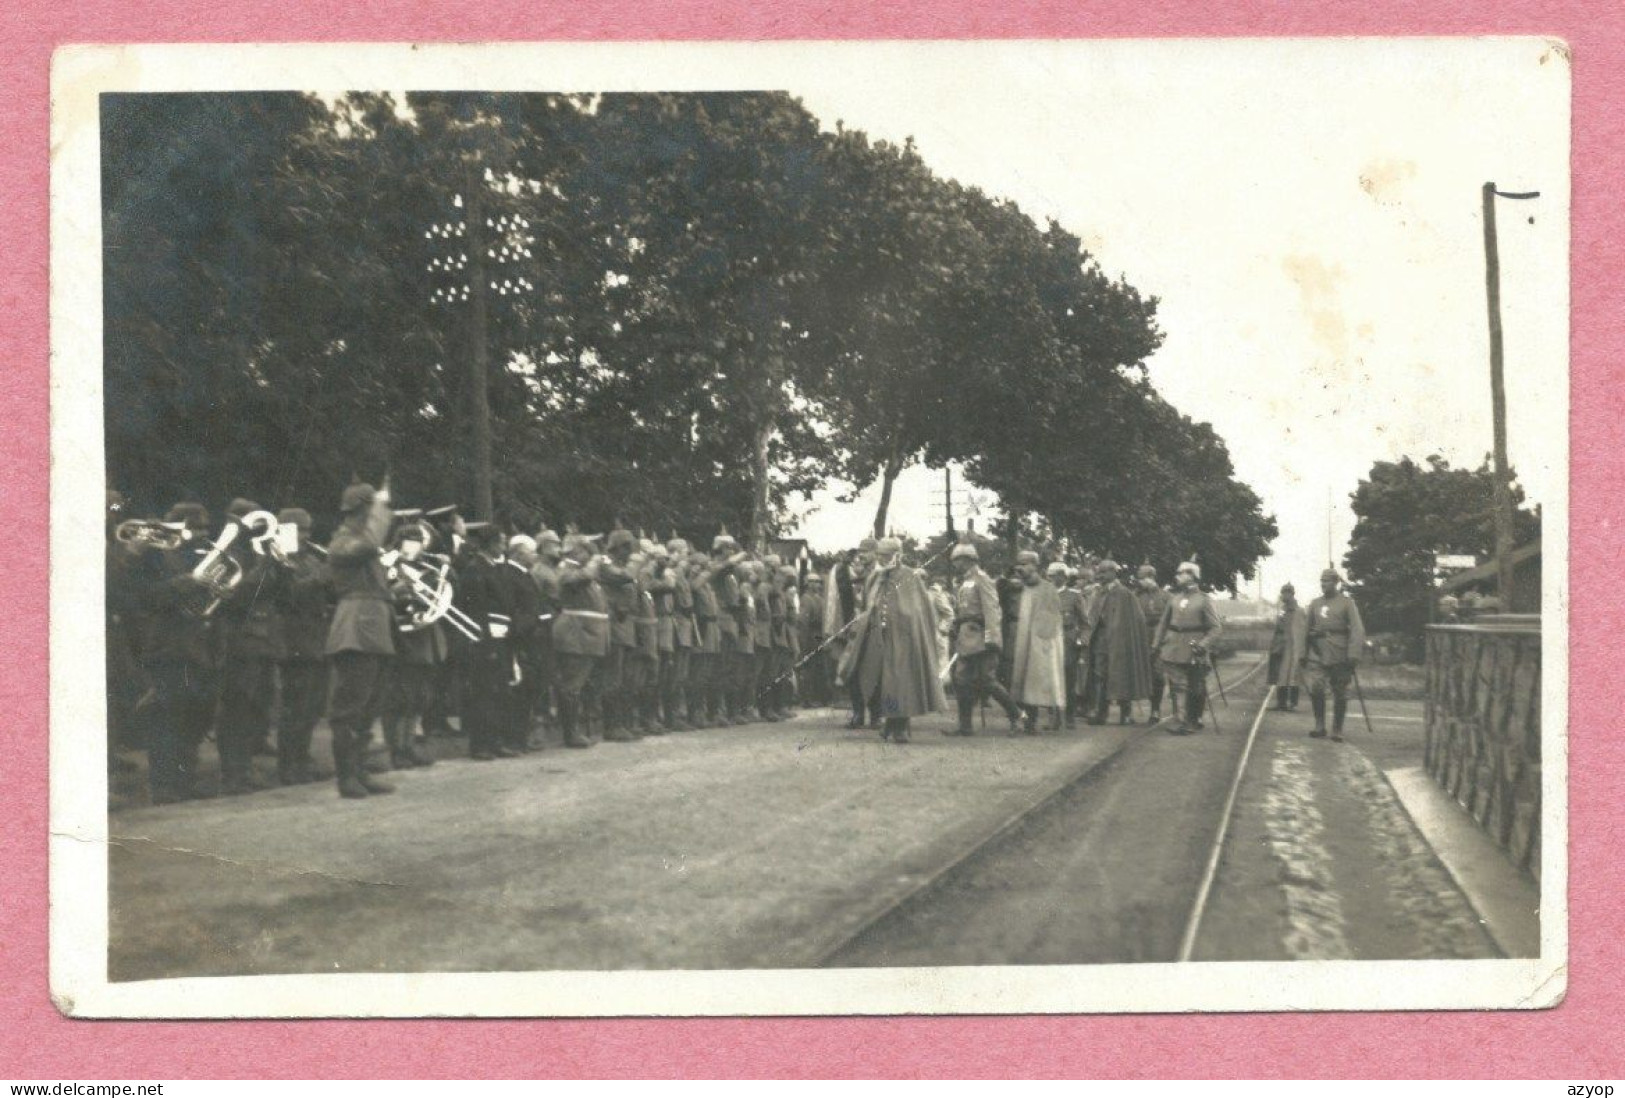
(1498,399)
(948,498)
(479,378)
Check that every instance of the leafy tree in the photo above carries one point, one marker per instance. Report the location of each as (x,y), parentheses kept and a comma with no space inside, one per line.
(1405,514)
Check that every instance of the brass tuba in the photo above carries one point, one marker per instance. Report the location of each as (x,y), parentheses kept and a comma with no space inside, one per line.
(151,534)
(218,572)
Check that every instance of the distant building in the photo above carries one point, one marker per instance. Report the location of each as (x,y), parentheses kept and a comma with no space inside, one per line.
(1486,578)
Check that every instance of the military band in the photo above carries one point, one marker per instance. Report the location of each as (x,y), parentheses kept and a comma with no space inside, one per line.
(412,620)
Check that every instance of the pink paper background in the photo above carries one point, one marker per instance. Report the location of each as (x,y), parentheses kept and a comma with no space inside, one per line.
(1578,1041)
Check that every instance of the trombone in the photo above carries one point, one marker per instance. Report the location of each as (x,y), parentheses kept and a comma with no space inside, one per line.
(431,591)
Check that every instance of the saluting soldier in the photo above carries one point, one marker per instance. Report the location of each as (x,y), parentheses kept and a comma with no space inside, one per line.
(735,658)
(1331,649)
(676,660)
(978,635)
(1189,626)
(643,678)
(1153,601)
(580,636)
(360,644)
(706,708)
(545,574)
(305,620)
(620,587)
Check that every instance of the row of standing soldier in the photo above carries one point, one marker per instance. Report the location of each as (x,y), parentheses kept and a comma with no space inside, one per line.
(627,639)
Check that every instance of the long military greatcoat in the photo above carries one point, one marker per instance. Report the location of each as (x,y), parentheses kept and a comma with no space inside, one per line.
(1038,675)
(894,654)
(1120,629)
(1291,628)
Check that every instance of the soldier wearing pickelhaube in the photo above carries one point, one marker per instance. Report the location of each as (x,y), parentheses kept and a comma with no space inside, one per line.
(360,642)
(814,657)
(580,637)
(762,630)
(705,704)
(677,607)
(786,642)
(1153,602)
(525,600)
(1331,649)
(1184,636)
(620,587)
(858,571)
(735,659)
(643,666)
(978,637)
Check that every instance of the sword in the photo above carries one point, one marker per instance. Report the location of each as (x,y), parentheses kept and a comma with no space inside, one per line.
(1359,692)
(1213,665)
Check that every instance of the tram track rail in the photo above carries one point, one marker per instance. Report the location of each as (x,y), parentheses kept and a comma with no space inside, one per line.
(1097,769)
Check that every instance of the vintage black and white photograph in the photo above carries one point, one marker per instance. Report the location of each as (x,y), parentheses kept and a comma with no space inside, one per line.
(809,528)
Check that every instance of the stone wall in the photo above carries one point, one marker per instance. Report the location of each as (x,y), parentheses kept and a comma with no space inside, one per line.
(1483,727)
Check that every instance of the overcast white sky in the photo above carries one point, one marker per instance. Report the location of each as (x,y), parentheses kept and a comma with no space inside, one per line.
(1309,215)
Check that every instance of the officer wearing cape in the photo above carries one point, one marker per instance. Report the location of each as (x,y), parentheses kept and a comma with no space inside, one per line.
(894,656)
(1038,670)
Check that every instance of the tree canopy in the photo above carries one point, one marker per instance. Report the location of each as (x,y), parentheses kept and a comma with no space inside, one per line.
(1406,513)
(696,307)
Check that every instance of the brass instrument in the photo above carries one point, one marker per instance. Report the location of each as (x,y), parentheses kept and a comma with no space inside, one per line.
(218,571)
(152,534)
(430,592)
(266,542)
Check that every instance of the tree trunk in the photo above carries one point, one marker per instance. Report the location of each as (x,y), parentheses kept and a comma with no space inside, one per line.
(758,509)
(894,466)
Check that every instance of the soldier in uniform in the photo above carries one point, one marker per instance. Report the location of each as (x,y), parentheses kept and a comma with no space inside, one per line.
(250,624)
(418,653)
(544,573)
(525,601)
(811,636)
(895,652)
(1153,601)
(179,654)
(763,636)
(359,641)
(485,594)
(303,671)
(787,641)
(733,624)
(620,587)
(978,634)
(1291,626)
(1331,650)
(858,571)
(1118,648)
(580,636)
(677,606)
(1074,628)
(1188,626)
(706,708)
(643,666)
(1038,669)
